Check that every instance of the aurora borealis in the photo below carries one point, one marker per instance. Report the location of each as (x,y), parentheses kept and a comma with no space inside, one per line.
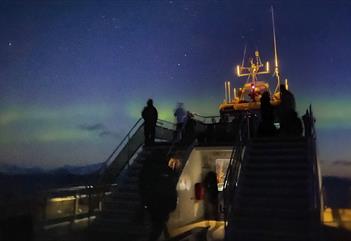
(74,75)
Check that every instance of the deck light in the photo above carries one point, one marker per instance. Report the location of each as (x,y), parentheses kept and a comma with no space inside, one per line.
(267,66)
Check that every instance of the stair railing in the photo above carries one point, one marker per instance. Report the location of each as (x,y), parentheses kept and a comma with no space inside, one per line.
(134,129)
(234,167)
(315,175)
(207,119)
(200,120)
(129,145)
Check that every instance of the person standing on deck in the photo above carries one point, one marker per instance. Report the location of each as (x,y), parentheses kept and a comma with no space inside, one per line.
(287,99)
(266,126)
(286,109)
(157,185)
(180,115)
(150,117)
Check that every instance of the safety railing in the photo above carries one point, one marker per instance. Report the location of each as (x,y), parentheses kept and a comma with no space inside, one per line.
(234,167)
(207,119)
(316,193)
(129,145)
(68,205)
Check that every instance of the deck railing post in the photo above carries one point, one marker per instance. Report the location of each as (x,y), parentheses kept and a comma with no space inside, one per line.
(44,210)
(75,208)
(90,189)
(128,151)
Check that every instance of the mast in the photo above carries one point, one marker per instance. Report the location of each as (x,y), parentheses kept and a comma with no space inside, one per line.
(276,66)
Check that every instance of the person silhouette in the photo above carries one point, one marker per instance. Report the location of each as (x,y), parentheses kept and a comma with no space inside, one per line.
(188,130)
(266,126)
(287,99)
(157,184)
(180,115)
(290,123)
(150,117)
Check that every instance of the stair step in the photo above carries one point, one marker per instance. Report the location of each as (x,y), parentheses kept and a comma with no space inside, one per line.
(120,231)
(118,212)
(106,222)
(276,158)
(273,192)
(129,187)
(271,224)
(274,151)
(259,176)
(285,174)
(271,202)
(134,172)
(269,235)
(118,204)
(125,195)
(282,183)
(132,179)
(283,213)
(272,166)
(278,145)
(278,139)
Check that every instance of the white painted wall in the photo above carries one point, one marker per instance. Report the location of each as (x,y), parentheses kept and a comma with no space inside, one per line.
(201,160)
(188,209)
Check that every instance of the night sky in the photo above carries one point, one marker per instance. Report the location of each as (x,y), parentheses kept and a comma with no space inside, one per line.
(74,75)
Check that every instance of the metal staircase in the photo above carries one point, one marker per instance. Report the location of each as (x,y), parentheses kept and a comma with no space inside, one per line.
(273,190)
(122,217)
(130,145)
(272,201)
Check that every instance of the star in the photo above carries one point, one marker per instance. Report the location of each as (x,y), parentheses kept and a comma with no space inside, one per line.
(10,44)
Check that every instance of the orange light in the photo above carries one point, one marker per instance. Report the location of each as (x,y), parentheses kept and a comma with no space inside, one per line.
(267,66)
(238,70)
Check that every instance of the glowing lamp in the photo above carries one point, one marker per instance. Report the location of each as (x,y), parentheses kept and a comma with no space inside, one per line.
(253,86)
(267,66)
(238,70)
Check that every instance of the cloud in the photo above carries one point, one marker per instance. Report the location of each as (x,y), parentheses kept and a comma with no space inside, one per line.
(110,133)
(93,127)
(100,128)
(342,163)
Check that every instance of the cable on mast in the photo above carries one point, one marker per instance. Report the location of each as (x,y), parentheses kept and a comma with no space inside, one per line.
(244,54)
(276,67)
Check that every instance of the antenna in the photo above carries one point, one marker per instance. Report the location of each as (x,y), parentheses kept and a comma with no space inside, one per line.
(276,67)
(242,62)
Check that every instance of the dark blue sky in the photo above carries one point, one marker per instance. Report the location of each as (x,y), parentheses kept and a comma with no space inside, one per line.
(74,75)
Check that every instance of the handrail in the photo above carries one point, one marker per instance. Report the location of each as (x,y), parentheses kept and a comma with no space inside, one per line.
(175,142)
(233,171)
(70,197)
(124,147)
(105,163)
(204,119)
(316,193)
